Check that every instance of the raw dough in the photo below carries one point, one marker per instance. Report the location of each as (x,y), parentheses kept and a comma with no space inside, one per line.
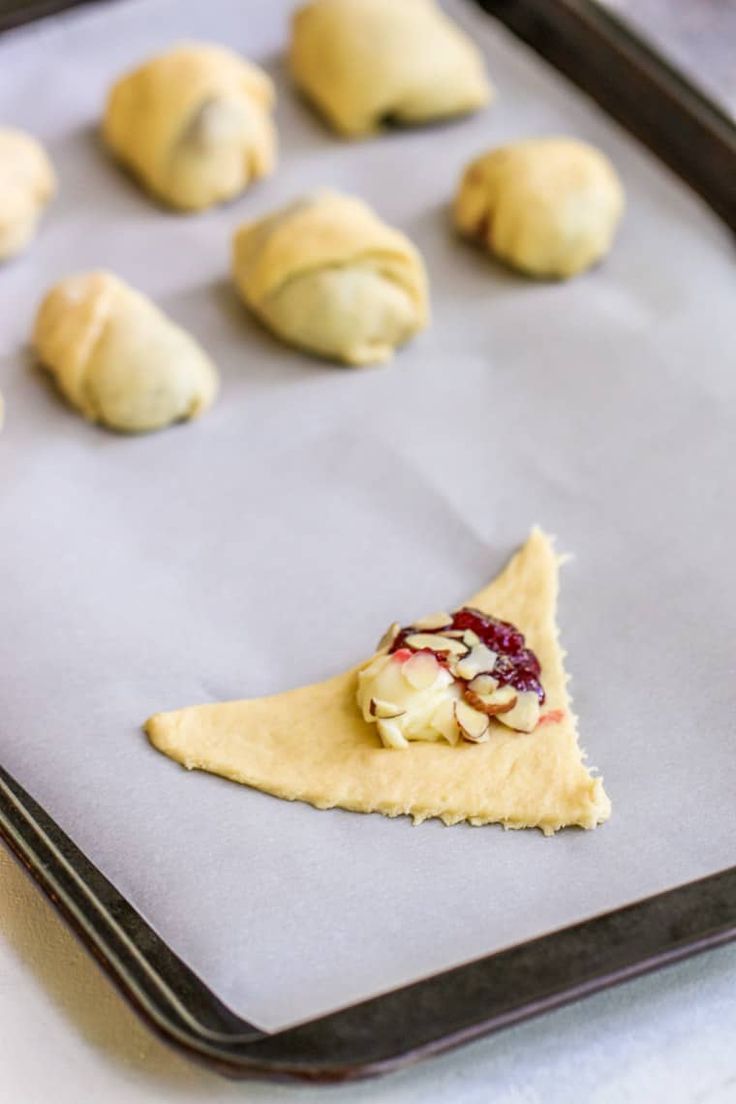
(547,206)
(193,124)
(27,183)
(312,744)
(118,358)
(366,62)
(327,275)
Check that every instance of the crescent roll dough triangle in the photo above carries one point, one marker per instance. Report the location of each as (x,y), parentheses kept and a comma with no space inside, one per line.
(311,744)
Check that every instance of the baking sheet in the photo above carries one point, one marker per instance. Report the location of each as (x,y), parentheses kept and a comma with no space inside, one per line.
(271,543)
(697,38)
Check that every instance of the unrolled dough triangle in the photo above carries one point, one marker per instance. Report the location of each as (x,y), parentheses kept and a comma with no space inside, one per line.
(312,745)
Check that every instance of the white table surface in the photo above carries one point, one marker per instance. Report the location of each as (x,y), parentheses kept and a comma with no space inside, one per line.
(67,1038)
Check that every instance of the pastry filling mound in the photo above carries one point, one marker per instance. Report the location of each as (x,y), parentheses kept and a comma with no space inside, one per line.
(447,676)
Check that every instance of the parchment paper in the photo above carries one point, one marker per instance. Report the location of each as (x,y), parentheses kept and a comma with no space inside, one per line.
(271,543)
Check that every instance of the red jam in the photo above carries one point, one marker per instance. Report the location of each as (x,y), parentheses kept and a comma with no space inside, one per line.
(516,665)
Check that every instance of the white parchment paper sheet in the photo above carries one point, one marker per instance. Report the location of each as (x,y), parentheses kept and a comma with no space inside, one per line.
(271,543)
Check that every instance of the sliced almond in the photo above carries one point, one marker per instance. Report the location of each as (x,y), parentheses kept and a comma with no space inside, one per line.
(391,735)
(421,670)
(389,636)
(443,720)
(454,634)
(483,684)
(433,621)
(436,643)
(524,717)
(505,694)
(474,725)
(385,710)
(471,637)
(491,704)
(479,659)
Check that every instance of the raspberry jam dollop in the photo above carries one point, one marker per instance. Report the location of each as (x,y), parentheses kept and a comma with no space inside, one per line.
(515,665)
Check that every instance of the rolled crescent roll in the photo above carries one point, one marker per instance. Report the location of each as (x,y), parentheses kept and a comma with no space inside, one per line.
(548,206)
(327,275)
(117,358)
(193,125)
(367,62)
(27,183)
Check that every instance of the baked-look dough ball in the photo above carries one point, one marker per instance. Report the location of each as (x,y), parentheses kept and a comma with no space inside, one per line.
(193,124)
(367,62)
(547,206)
(27,183)
(117,358)
(327,275)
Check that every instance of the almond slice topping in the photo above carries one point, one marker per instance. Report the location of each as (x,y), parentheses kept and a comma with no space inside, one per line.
(385,710)
(389,636)
(433,621)
(483,684)
(474,725)
(492,705)
(443,721)
(443,644)
(391,735)
(479,659)
(421,670)
(524,716)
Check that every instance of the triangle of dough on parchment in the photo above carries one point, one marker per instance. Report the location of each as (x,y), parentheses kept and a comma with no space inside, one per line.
(311,744)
